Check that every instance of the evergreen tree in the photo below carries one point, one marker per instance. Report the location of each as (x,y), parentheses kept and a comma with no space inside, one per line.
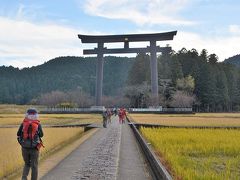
(222,96)
(164,67)
(212,58)
(140,71)
(204,55)
(176,69)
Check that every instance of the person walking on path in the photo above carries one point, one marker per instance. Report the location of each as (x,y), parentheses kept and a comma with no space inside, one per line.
(105,118)
(120,115)
(109,115)
(124,115)
(115,111)
(29,137)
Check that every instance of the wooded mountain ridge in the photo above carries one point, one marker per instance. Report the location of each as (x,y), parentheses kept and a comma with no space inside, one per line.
(20,86)
(235,60)
(186,78)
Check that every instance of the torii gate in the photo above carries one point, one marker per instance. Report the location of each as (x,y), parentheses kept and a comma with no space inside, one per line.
(126,38)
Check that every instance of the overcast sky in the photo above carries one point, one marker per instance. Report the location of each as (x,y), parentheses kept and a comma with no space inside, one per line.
(33,32)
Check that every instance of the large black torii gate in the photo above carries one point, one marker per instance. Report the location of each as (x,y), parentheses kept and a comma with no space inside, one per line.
(126,38)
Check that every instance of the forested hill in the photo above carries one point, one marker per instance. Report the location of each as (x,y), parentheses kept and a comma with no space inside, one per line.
(63,74)
(186,78)
(233,60)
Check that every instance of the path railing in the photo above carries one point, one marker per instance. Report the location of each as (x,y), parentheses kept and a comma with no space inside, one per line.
(161,110)
(138,125)
(55,110)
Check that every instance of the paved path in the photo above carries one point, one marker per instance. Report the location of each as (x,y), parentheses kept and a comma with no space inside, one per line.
(111,153)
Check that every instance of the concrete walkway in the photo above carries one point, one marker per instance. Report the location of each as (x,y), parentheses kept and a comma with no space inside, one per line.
(111,153)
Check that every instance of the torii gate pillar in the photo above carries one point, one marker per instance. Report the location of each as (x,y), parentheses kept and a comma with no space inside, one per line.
(99,79)
(154,69)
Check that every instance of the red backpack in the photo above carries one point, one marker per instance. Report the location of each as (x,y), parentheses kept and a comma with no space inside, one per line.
(30,137)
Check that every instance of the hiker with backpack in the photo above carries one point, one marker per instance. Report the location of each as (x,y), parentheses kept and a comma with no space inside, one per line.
(29,137)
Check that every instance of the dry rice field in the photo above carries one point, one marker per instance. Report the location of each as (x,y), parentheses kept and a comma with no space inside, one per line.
(15,109)
(54,138)
(195,153)
(200,119)
(52,119)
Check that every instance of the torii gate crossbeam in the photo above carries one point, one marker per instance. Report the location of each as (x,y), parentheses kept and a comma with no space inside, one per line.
(101,50)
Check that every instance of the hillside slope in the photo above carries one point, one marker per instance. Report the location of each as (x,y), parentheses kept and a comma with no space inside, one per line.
(62,73)
(235,60)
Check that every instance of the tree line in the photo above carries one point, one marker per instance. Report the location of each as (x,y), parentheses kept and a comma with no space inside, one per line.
(187,78)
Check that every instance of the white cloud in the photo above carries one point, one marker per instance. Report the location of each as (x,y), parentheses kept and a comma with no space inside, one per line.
(141,12)
(20,11)
(223,47)
(235,29)
(27,44)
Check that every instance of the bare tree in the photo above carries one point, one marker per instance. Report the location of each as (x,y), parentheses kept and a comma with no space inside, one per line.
(53,98)
(152,101)
(138,95)
(122,102)
(182,99)
(108,101)
(80,98)
(115,101)
(73,98)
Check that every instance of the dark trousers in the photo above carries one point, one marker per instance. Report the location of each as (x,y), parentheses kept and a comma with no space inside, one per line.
(30,157)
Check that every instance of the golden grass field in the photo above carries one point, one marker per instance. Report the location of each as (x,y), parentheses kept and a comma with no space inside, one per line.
(54,138)
(197,153)
(199,119)
(51,119)
(15,109)
(13,115)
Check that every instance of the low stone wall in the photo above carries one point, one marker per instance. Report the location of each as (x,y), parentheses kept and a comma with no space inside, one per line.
(70,110)
(161,110)
(138,125)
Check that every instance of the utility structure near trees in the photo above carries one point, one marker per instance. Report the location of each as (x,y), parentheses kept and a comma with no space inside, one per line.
(126,39)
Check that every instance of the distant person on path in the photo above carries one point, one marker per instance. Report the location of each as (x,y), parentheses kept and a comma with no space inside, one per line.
(29,137)
(124,115)
(105,118)
(115,111)
(121,115)
(109,114)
